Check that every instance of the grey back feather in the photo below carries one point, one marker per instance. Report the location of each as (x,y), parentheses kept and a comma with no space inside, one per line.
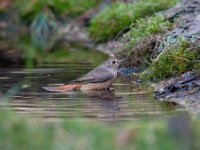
(102,73)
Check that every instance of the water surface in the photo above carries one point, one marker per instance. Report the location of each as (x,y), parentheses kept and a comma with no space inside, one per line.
(21,91)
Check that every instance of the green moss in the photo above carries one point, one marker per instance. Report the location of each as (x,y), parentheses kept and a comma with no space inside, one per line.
(145,27)
(143,36)
(174,60)
(120,15)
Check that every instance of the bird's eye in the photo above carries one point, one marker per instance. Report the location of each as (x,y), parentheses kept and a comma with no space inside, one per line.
(113,62)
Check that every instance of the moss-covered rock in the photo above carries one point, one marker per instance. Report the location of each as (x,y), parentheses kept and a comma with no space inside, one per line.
(174,60)
(150,26)
(143,38)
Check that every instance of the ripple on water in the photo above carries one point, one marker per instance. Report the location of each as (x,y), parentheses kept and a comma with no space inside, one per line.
(126,102)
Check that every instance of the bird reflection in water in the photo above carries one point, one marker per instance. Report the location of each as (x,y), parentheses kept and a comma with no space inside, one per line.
(99,104)
(106,101)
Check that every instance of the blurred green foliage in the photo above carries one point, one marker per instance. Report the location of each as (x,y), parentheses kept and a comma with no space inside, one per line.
(120,15)
(41,31)
(19,133)
(70,8)
(80,55)
(44,31)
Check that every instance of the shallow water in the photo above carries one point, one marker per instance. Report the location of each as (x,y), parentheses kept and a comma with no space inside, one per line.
(21,90)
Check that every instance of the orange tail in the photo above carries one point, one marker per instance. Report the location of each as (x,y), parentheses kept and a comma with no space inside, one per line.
(63,88)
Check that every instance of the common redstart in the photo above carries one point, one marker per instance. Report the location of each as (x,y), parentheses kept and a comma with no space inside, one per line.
(99,78)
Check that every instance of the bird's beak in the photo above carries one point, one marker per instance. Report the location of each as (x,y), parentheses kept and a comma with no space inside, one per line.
(122,61)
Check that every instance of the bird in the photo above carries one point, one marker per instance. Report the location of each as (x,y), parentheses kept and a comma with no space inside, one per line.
(100,78)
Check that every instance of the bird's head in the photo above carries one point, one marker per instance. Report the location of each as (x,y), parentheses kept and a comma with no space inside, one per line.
(114,63)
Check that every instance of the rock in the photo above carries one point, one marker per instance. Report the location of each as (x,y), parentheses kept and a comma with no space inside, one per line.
(183,90)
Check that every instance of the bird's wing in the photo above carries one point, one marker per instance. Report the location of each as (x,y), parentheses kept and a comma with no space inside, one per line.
(95,76)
